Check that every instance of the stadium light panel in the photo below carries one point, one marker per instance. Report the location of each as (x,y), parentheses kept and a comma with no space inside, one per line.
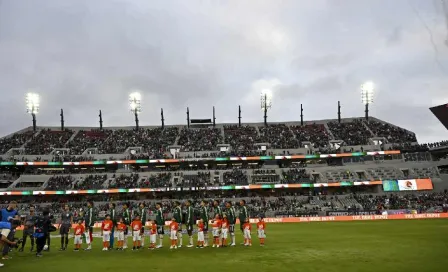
(32,103)
(266,99)
(135,100)
(367,92)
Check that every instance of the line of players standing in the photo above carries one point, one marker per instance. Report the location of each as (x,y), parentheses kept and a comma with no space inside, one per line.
(188,218)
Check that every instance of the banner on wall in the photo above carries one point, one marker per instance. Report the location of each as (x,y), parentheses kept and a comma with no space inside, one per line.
(345,213)
(407,185)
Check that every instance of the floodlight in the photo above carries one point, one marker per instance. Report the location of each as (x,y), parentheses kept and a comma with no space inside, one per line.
(32,103)
(266,99)
(135,100)
(367,91)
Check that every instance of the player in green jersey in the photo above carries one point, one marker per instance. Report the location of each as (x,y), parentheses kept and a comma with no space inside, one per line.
(203,211)
(231,217)
(177,214)
(160,221)
(189,222)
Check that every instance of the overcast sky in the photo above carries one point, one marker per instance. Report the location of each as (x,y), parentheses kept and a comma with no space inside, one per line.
(86,55)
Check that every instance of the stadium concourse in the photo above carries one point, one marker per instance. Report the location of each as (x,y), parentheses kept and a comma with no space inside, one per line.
(282,169)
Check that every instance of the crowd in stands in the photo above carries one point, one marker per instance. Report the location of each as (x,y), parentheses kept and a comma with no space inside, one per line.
(15,141)
(157,181)
(353,133)
(47,140)
(240,138)
(125,182)
(279,136)
(295,175)
(392,133)
(420,202)
(88,139)
(154,141)
(260,176)
(235,177)
(91,182)
(199,179)
(57,183)
(200,139)
(314,133)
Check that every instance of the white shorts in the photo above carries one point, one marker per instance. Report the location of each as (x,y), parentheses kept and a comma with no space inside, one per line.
(224,233)
(106,236)
(153,238)
(136,236)
(261,233)
(120,236)
(247,234)
(215,232)
(201,236)
(173,235)
(78,239)
(5,232)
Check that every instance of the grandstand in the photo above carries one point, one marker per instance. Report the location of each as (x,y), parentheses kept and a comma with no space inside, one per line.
(281,169)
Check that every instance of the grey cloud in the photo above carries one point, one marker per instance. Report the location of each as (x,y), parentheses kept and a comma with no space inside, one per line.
(87,55)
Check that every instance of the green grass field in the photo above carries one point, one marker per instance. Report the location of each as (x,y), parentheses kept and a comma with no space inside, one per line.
(417,245)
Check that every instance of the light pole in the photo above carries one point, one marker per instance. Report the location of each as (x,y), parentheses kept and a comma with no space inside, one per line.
(32,101)
(367,91)
(266,103)
(135,100)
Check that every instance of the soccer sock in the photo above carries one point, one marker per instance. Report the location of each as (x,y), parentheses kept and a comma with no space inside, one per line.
(233,237)
(32,241)
(191,240)
(179,236)
(66,241)
(24,241)
(62,241)
(142,242)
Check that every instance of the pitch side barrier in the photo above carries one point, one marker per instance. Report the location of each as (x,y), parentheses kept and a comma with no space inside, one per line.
(222,159)
(327,219)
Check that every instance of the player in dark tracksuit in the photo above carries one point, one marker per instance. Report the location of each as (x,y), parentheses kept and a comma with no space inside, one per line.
(66,224)
(231,217)
(89,221)
(160,222)
(113,217)
(243,215)
(29,229)
(127,221)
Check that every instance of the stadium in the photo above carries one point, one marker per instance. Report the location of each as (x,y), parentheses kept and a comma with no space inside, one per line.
(361,173)
(223,135)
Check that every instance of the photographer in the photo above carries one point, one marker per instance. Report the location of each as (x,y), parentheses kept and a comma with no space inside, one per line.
(8,215)
(42,230)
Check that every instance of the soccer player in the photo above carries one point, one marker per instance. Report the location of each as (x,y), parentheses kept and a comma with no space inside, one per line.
(127,221)
(216,230)
(231,217)
(106,228)
(261,226)
(177,214)
(113,217)
(29,229)
(174,227)
(224,230)
(136,227)
(243,215)
(200,234)
(89,221)
(160,224)
(247,237)
(203,211)
(121,227)
(152,234)
(217,208)
(143,217)
(64,227)
(78,232)
(189,221)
